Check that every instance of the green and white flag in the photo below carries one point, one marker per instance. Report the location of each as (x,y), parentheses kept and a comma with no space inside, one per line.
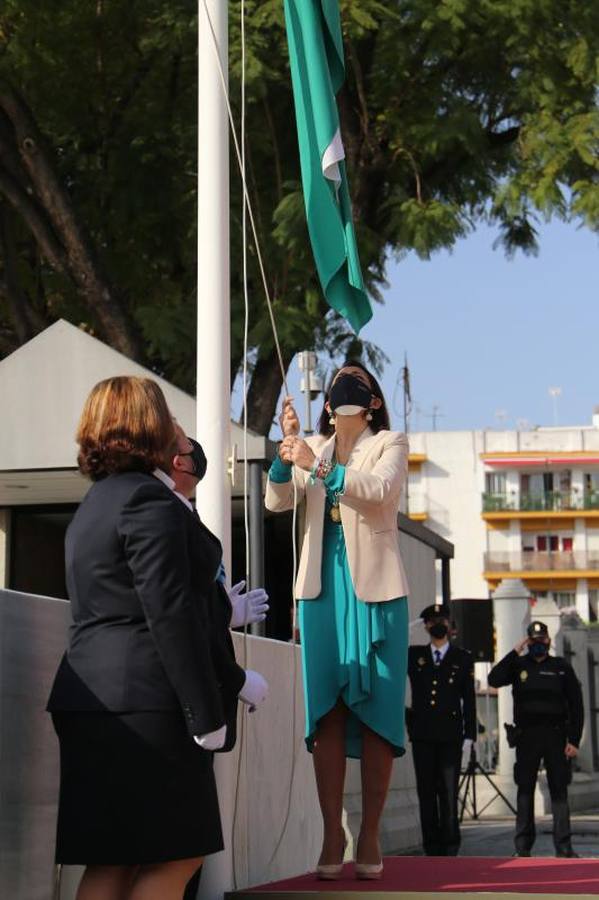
(318,71)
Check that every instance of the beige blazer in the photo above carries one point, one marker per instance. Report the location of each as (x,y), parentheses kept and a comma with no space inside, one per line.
(375,474)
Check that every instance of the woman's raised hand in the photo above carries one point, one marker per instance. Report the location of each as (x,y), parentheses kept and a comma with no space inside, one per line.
(288,419)
(295,450)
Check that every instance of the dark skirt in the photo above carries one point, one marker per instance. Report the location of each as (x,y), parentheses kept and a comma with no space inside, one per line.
(135,789)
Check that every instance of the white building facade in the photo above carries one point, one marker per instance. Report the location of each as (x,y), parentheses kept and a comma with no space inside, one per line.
(515,505)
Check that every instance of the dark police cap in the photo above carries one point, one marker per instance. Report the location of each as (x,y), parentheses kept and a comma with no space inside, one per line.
(436,611)
(537,630)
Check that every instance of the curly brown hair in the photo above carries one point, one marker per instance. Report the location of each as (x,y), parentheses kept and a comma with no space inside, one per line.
(125,426)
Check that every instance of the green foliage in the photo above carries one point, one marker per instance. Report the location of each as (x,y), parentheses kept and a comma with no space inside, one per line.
(454,112)
(113,86)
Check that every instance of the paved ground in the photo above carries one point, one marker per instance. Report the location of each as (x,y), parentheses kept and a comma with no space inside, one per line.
(494,837)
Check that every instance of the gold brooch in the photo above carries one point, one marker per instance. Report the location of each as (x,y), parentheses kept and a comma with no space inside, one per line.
(523,675)
(422,661)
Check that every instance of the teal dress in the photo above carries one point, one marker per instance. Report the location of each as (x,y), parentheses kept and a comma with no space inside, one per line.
(351,650)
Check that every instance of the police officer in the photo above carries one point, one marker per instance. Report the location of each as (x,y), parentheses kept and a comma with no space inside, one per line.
(548,716)
(442,719)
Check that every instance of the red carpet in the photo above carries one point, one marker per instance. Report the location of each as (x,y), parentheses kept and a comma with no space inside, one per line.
(417,874)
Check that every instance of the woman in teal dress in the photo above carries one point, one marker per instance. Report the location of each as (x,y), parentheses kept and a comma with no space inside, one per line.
(353,606)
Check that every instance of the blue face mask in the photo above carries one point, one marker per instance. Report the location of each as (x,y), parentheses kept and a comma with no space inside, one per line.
(538,649)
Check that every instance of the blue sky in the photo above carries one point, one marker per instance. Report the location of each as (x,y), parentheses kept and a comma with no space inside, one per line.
(485,334)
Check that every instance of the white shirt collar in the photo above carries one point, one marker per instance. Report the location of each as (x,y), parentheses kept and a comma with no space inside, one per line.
(184,500)
(164,478)
(442,650)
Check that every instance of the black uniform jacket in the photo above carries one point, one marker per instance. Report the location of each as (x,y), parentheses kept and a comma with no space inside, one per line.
(443,699)
(545,693)
(150,624)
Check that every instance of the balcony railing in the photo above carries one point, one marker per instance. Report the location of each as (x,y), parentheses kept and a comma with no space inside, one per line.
(548,501)
(544,562)
(418,505)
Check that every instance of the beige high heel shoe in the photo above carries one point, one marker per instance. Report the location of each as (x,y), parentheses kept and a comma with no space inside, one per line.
(369,871)
(331,871)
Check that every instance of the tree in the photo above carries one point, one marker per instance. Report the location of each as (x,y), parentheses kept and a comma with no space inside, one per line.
(454,112)
(97,174)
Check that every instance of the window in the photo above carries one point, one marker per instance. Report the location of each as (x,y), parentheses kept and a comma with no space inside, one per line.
(591,481)
(567,544)
(591,490)
(547,543)
(564,599)
(495,483)
(565,481)
(537,484)
(594,605)
(37,549)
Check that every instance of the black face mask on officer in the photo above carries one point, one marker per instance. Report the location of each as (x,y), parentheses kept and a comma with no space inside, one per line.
(199,462)
(538,649)
(349,395)
(438,630)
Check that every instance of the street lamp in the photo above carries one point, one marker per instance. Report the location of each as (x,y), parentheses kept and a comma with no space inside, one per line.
(311,384)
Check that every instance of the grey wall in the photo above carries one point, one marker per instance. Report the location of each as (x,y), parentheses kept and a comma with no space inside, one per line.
(32,638)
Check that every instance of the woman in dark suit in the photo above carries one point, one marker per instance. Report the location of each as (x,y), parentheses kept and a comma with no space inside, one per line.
(148,686)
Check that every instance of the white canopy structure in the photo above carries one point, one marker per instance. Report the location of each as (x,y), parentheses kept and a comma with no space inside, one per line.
(43,386)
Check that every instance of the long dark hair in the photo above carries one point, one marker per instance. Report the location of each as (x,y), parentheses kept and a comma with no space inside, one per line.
(380,417)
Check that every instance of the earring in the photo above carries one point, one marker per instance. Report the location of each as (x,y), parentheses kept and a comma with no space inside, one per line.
(332,420)
(369,416)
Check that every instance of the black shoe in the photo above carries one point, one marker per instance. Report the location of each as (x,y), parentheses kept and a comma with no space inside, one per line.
(567,854)
(525,853)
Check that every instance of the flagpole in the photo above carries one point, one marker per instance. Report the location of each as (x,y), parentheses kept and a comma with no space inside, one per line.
(213,291)
(213,352)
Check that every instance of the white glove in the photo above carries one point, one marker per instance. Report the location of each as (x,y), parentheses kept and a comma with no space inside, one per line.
(467,745)
(214,740)
(248,608)
(254,690)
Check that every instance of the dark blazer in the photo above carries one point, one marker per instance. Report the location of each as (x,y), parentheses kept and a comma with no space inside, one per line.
(443,698)
(150,624)
(545,693)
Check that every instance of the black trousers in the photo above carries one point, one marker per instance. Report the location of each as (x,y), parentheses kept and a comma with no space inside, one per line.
(437,765)
(542,744)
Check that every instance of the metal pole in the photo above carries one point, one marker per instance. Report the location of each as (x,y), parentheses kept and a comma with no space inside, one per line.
(213,387)
(307,364)
(308,424)
(445,581)
(256,511)
(213,352)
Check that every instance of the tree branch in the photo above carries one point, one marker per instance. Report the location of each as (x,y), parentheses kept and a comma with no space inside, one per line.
(83,268)
(27,320)
(36,221)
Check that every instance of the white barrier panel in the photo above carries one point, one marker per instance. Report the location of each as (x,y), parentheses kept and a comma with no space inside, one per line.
(33,633)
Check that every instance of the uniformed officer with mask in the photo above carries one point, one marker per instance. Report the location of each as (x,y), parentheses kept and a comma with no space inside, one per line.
(442,719)
(548,717)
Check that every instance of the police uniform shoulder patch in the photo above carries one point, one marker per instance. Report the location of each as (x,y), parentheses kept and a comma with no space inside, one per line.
(523,675)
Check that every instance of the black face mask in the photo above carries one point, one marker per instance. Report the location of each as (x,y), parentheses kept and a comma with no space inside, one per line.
(538,649)
(349,396)
(438,630)
(198,459)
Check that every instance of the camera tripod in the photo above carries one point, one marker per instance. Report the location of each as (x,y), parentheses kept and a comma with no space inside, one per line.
(467,788)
